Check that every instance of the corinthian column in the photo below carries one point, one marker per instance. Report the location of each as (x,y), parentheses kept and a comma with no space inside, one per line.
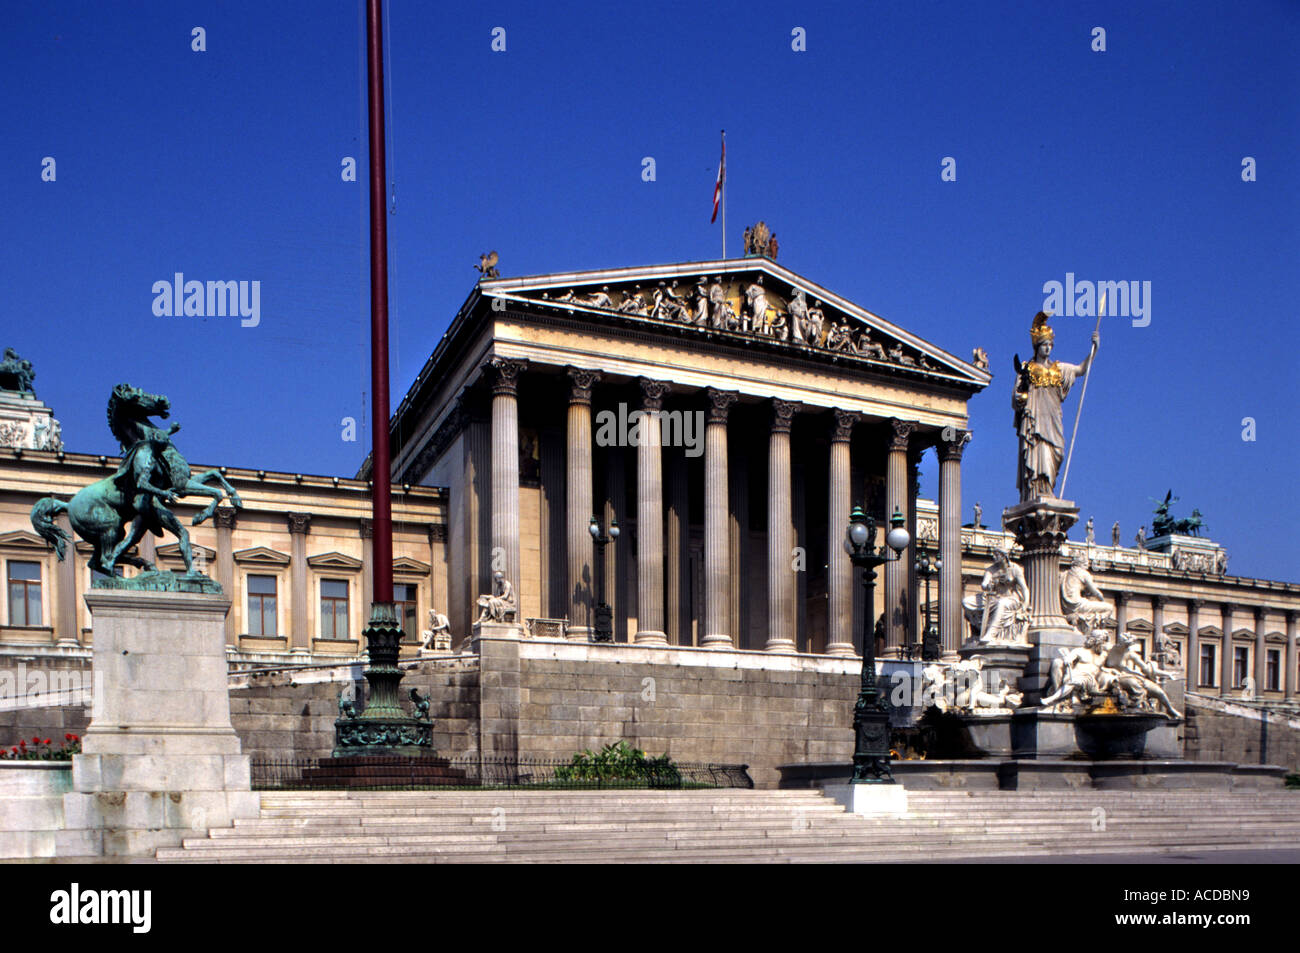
(1289,676)
(897,493)
(225,518)
(578,504)
(950,452)
(505,472)
(1192,651)
(717,569)
(1261,653)
(1225,663)
(650,517)
(839,570)
(780,532)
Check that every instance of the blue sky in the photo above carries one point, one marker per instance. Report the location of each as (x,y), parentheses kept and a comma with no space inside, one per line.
(1116,165)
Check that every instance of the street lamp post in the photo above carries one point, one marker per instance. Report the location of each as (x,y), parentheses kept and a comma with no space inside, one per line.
(871,713)
(927,567)
(603,631)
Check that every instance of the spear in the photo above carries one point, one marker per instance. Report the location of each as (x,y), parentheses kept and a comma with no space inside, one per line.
(1101,309)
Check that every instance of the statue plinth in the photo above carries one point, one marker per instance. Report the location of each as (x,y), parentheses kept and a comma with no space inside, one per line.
(1040,526)
(160,758)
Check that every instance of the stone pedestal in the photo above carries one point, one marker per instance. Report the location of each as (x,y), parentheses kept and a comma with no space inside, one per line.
(160,758)
(870,800)
(1040,527)
(1002,664)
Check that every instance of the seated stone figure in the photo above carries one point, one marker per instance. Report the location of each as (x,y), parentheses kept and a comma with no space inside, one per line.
(1135,678)
(999,612)
(437,637)
(1081,601)
(500,605)
(1079,674)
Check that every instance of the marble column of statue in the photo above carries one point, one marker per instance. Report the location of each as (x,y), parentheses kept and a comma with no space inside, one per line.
(299,637)
(839,570)
(717,571)
(780,532)
(1192,655)
(950,594)
(1292,634)
(1261,651)
(1225,663)
(579,505)
(650,517)
(505,472)
(897,493)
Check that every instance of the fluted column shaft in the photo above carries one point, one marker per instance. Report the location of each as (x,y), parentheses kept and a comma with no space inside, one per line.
(1289,676)
(225,517)
(676,539)
(839,570)
(650,517)
(579,506)
(780,532)
(717,569)
(1121,611)
(1192,658)
(1225,663)
(505,473)
(898,490)
(1157,621)
(1261,651)
(299,637)
(950,453)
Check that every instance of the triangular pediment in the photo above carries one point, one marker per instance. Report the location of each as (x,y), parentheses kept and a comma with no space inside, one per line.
(722,300)
(173,551)
(1140,625)
(262,555)
(408,565)
(22,539)
(1209,631)
(334,561)
(1175,628)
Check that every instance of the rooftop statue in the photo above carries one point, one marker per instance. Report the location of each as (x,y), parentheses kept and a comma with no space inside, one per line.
(759,240)
(114,513)
(16,374)
(487,266)
(1041,387)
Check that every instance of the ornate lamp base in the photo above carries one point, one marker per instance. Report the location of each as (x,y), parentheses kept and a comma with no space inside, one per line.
(384,727)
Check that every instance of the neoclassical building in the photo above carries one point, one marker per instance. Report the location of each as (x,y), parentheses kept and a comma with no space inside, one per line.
(725,415)
(776,404)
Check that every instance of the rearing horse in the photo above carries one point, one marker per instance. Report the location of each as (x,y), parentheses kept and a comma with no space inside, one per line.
(152,475)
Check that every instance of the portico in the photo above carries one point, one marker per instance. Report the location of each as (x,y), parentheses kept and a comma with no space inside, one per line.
(732,529)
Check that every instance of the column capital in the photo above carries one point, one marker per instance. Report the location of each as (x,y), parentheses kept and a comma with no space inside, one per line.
(225,517)
(437,532)
(902,432)
(720,402)
(1159,601)
(505,377)
(581,381)
(1121,598)
(953,449)
(783,412)
(366,527)
(842,428)
(1293,616)
(299,523)
(1260,612)
(653,393)
(1196,604)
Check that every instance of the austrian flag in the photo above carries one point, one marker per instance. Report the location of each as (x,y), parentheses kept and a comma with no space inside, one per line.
(722,177)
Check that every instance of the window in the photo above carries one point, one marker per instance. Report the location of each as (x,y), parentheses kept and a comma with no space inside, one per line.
(1273,670)
(333,609)
(261,605)
(1209,668)
(404,596)
(24,593)
(1240,666)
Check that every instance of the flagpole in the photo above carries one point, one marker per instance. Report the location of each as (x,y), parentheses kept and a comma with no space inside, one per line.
(1078,412)
(724,195)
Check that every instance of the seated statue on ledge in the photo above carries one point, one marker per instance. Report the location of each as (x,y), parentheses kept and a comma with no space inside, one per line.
(437,637)
(1084,606)
(999,612)
(500,605)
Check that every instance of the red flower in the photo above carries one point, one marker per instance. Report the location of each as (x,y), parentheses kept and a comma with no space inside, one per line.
(14,749)
(73,737)
(36,740)
(47,741)
(69,737)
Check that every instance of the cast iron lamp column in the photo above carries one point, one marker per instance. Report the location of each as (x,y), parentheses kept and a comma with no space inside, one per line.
(871,713)
(927,567)
(603,631)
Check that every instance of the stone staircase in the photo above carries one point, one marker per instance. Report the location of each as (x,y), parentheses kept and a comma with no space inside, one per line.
(734,826)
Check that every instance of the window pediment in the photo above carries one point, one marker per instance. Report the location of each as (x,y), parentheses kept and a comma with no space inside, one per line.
(263,556)
(334,561)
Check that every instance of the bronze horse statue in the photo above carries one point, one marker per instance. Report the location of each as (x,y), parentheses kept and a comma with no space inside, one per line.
(152,475)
